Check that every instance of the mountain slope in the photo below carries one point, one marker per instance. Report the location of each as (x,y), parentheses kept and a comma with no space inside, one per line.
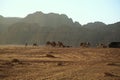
(39,28)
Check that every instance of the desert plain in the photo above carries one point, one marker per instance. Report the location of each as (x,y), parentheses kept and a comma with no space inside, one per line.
(48,63)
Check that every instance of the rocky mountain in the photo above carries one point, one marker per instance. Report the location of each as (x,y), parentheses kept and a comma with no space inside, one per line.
(39,28)
(50,19)
(5,22)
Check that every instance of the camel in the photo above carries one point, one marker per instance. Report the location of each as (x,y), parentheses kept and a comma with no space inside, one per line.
(34,44)
(60,44)
(101,45)
(53,44)
(48,43)
(26,44)
(85,44)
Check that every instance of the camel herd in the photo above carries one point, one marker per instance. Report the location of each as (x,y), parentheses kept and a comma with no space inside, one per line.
(56,44)
(82,45)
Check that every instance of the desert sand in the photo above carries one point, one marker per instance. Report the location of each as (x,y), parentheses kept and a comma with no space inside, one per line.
(48,63)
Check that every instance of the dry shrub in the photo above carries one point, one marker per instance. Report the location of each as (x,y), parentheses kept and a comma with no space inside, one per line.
(59,64)
(50,55)
(109,74)
(111,64)
(16,61)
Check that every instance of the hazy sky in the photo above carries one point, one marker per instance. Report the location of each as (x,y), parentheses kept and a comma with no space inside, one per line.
(83,11)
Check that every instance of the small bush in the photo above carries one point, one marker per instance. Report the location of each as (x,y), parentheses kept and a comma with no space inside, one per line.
(109,74)
(49,55)
(59,64)
(15,60)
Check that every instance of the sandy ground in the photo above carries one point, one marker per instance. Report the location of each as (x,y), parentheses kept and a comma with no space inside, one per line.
(46,63)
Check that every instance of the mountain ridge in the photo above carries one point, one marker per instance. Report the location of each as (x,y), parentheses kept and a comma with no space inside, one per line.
(39,28)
